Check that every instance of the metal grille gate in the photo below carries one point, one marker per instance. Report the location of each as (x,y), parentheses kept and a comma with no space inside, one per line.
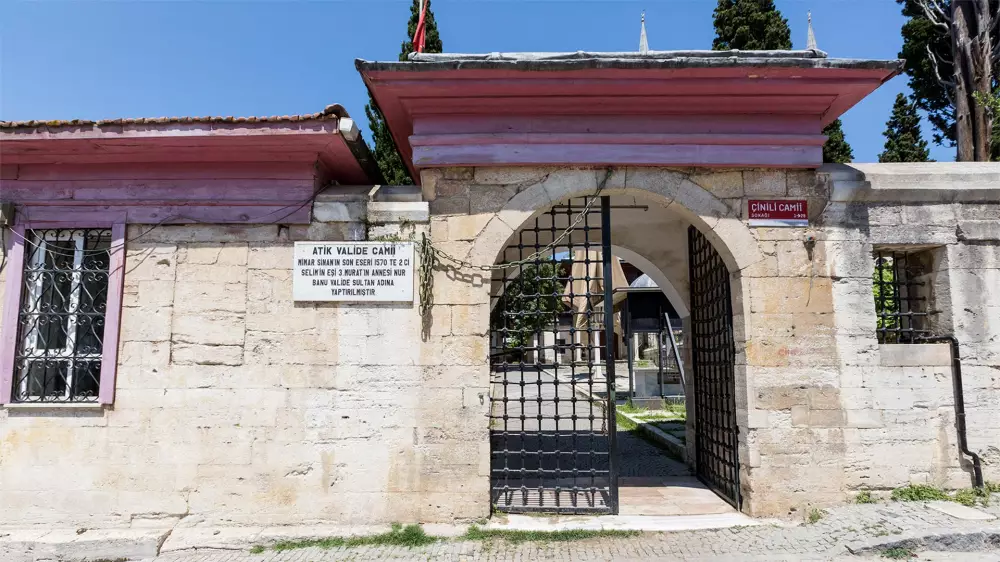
(552,423)
(713,356)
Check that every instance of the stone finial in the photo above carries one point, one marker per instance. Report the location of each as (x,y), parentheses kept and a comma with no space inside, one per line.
(811,41)
(643,43)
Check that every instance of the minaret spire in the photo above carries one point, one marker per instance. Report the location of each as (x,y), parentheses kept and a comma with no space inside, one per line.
(643,43)
(811,42)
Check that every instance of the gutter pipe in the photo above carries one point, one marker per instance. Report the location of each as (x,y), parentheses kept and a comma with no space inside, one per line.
(963,443)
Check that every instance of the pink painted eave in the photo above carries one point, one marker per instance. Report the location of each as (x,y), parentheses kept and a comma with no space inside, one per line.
(713,110)
(317,141)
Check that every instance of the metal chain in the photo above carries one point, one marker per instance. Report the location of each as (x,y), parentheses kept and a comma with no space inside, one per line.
(431,256)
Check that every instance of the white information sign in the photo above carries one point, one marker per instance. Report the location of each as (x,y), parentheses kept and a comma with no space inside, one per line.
(353,271)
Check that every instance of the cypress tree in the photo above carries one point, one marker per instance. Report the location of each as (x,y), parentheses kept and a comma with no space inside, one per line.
(750,25)
(903,141)
(836,150)
(759,25)
(386,154)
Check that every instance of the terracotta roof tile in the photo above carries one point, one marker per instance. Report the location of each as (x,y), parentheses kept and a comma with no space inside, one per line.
(334,111)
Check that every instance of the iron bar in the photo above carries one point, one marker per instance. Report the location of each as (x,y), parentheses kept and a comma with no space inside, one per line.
(61,316)
(550,450)
(713,356)
(609,346)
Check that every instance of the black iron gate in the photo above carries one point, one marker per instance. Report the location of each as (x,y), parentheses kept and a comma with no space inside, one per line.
(552,422)
(713,355)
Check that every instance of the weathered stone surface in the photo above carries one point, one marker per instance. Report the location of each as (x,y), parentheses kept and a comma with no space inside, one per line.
(339,211)
(211,328)
(983,231)
(723,185)
(765,182)
(235,403)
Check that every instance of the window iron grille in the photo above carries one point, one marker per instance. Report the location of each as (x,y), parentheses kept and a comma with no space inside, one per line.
(61,315)
(900,299)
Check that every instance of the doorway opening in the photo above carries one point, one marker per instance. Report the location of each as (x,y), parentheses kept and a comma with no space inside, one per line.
(592,363)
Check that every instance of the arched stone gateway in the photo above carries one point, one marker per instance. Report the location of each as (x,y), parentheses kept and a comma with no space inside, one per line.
(542,451)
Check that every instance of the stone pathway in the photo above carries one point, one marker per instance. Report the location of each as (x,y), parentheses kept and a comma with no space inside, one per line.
(853,526)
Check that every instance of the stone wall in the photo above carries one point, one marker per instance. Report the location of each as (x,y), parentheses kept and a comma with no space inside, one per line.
(823,410)
(235,404)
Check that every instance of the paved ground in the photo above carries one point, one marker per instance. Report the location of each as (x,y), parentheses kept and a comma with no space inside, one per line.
(872,526)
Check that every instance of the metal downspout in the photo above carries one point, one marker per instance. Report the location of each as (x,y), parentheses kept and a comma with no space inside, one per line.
(963,443)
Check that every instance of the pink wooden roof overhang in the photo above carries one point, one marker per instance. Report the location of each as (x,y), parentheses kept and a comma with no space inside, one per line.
(699,108)
(328,138)
(180,170)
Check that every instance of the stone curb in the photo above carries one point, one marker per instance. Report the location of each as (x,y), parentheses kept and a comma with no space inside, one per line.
(30,545)
(938,540)
(668,441)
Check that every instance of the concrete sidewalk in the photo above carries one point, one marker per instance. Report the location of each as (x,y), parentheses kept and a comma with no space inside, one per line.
(848,532)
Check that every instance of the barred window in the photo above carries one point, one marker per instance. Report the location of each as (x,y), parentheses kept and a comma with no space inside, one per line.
(901,296)
(61,315)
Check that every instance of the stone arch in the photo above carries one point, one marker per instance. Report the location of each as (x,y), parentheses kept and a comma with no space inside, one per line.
(718,219)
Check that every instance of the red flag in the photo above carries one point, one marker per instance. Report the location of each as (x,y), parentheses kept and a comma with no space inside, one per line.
(419,36)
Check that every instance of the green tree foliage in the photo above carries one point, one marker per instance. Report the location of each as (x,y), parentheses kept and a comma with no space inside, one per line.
(928,92)
(759,25)
(750,25)
(386,154)
(530,303)
(903,142)
(884,289)
(836,150)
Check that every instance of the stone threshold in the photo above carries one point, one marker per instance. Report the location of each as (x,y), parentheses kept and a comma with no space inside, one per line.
(644,523)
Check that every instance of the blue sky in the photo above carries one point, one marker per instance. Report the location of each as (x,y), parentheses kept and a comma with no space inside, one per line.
(98,59)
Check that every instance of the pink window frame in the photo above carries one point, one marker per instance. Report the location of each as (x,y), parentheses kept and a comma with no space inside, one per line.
(12,302)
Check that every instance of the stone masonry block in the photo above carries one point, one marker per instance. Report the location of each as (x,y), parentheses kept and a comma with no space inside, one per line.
(765,182)
(781,397)
(271,256)
(219,328)
(788,295)
(193,354)
(508,175)
(209,297)
(980,231)
(564,183)
(824,398)
(470,320)
(199,273)
(451,205)
(723,185)
(144,353)
(915,355)
(800,415)
(146,324)
(913,235)
(458,173)
(867,419)
(155,294)
(340,211)
(490,198)
(930,214)
(807,183)
(398,211)
(467,227)
(148,262)
(796,260)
